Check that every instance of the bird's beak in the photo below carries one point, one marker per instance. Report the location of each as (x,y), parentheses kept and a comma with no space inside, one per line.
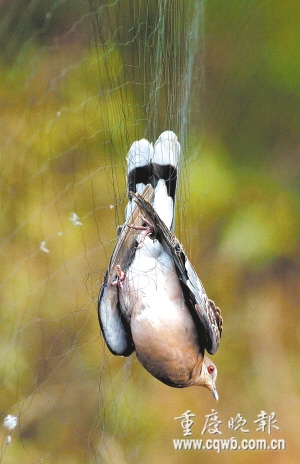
(214,391)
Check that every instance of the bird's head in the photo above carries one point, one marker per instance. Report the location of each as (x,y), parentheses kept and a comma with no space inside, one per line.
(208,376)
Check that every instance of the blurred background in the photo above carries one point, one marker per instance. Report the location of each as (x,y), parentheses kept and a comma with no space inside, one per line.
(80,82)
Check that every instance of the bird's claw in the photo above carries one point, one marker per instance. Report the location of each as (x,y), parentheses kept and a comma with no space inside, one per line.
(120,278)
(146,230)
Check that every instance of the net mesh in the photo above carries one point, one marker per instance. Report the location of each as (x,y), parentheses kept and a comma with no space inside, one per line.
(80,83)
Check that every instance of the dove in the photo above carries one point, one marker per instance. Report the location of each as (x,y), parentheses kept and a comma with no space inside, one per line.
(152,301)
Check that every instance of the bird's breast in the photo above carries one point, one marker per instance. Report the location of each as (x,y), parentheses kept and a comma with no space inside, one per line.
(163,330)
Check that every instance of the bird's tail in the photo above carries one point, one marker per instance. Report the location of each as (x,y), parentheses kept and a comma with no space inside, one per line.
(139,170)
(165,163)
(157,166)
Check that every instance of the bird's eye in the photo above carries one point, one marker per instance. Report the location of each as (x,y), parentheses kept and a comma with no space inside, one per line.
(210,369)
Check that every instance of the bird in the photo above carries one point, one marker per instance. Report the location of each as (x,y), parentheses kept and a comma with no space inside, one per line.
(151,300)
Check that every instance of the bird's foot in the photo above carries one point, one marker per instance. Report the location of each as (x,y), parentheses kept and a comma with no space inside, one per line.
(120,277)
(148,229)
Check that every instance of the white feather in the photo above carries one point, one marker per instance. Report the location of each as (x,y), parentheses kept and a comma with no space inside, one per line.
(163,204)
(139,155)
(166,149)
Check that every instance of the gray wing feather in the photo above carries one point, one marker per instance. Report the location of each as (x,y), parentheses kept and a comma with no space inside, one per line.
(200,306)
(115,328)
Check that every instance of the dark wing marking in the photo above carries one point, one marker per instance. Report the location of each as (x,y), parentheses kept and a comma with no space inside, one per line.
(113,323)
(206,311)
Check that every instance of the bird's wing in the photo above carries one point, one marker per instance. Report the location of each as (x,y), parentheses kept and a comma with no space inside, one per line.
(115,328)
(206,315)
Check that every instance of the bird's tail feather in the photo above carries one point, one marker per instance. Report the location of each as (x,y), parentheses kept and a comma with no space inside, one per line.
(157,166)
(139,170)
(165,161)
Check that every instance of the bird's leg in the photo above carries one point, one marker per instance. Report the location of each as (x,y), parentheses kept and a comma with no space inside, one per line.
(147,229)
(120,277)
